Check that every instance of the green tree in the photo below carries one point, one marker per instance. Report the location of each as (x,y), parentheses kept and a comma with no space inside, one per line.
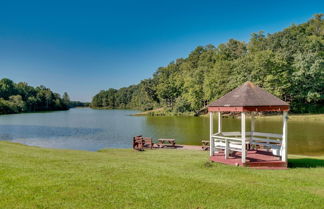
(66,99)
(289,64)
(7,88)
(18,103)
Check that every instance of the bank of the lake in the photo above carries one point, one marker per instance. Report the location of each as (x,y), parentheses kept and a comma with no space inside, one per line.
(277,116)
(297,117)
(33,177)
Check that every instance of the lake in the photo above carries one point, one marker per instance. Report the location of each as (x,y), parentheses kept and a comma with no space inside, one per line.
(89,129)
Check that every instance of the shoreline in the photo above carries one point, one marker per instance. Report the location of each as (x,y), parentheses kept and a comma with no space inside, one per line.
(160,112)
(292,116)
(178,147)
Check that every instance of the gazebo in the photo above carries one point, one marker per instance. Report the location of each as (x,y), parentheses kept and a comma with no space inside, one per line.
(253,149)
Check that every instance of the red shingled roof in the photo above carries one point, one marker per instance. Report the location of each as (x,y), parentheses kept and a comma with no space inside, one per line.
(248,97)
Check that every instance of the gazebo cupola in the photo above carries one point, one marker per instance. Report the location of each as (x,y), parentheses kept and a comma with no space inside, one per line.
(248,98)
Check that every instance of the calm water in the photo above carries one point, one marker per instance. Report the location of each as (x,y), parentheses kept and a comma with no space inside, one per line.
(89,129)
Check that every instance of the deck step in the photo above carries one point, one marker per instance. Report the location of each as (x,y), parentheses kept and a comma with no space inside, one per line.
(266,164)
(269,168)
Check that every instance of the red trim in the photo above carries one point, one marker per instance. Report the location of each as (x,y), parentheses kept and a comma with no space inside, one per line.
(225,109)
(249,109)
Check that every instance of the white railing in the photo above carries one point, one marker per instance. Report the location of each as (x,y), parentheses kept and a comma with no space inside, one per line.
(232,141)
(269,141)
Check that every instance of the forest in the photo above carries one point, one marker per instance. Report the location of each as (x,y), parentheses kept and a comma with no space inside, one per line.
(288,64)
(20,97)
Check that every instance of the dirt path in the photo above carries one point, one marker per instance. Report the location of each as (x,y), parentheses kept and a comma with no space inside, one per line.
(184,147)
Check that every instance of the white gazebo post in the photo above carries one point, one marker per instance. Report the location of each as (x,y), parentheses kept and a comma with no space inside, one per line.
(284,136)
(252,128)
(220,131)
(243,137)
(219,122)
(211,140)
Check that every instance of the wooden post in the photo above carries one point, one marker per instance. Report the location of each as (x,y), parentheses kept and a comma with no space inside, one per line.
(211,140)
(243,137)
(219,122)
(284,154)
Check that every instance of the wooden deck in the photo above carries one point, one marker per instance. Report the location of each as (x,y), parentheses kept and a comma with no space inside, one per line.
(256,159)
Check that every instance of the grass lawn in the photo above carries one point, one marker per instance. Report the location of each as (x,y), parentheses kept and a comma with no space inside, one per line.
(32,177)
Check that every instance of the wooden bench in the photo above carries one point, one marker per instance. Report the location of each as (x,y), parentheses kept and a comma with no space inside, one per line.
(148,142)
(138,143)
(166,143)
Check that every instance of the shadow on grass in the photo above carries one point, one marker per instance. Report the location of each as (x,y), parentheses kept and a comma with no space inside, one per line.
(305,163)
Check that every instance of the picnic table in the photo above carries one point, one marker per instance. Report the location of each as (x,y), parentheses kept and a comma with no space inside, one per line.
(166,143)
(205,145)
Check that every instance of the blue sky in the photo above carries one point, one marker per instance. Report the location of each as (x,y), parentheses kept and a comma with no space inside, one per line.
(83,47)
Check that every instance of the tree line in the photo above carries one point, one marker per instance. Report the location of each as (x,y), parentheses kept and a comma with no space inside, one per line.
(288,64)
(20,97)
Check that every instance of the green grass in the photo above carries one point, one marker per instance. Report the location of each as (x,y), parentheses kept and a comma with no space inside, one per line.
(32,177)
